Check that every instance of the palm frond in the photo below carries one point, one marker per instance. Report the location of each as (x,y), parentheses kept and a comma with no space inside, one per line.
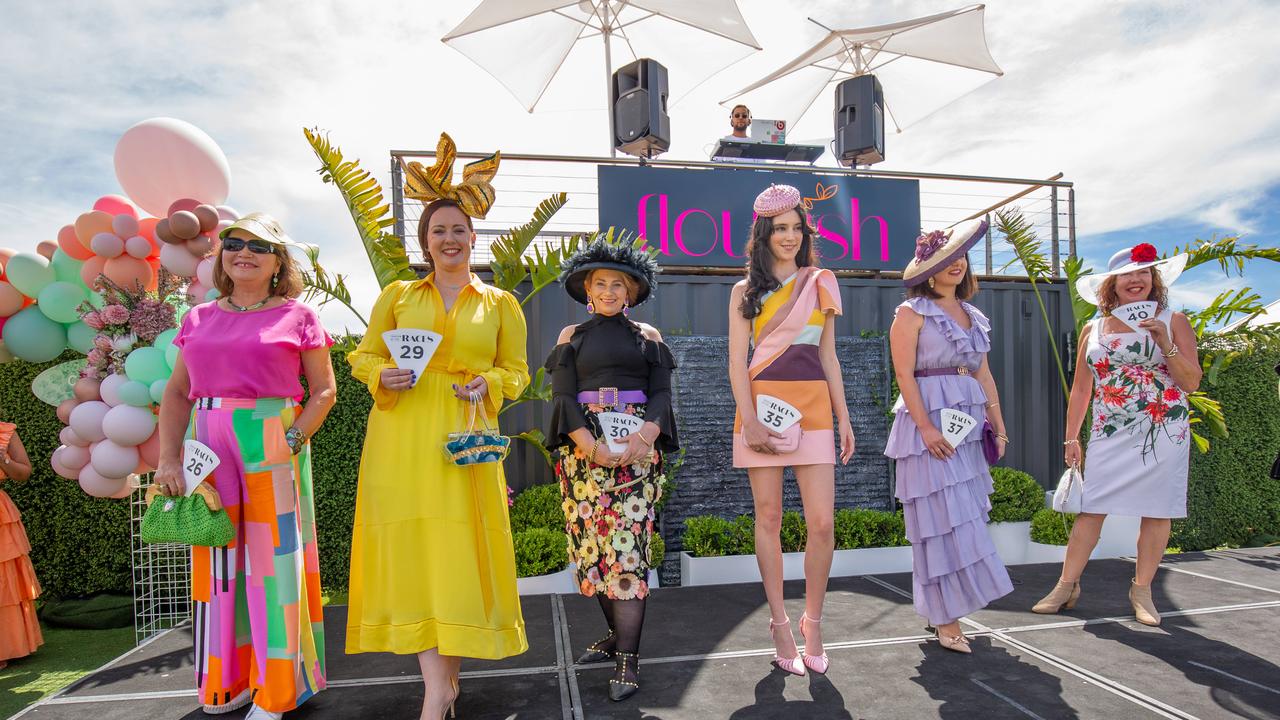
(363,196)
(538,389)
(1081,310)
(544,265)
(1226,306)
(1227,251)
(1219,348)
(319,284)
(539,442)
(509,267)
(1208,412)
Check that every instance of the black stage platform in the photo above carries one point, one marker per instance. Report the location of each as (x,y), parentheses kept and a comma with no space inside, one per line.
(706,652)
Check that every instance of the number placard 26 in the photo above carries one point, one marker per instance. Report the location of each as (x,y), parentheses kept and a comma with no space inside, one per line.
(198,462)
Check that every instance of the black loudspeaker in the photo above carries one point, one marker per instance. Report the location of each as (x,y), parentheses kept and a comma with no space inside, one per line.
(859,121)
(638,99)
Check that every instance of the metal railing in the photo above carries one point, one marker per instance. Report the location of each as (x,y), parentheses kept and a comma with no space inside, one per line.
(945,198)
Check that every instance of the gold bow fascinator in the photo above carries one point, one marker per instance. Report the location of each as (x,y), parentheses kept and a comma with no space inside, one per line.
(475,194)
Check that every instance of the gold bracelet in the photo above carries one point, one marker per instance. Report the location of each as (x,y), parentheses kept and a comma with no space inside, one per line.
(595,449)
(1173,351)
(646,441)
(1003,437)
(1068,442)
(992,404)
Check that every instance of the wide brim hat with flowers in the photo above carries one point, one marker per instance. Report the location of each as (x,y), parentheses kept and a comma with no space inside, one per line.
(605,253)
(1139,256)
(938,249)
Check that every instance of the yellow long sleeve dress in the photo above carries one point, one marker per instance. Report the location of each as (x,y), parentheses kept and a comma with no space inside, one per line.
(432,564)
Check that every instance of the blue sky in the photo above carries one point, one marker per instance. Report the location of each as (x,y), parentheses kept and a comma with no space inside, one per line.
(1162,112)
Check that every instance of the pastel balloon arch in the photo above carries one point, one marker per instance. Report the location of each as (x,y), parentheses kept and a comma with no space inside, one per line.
(113,286)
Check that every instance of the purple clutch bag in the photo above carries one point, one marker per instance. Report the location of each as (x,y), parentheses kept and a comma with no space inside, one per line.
(990,447)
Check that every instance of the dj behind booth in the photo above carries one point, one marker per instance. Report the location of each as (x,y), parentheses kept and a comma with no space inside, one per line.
(767,141)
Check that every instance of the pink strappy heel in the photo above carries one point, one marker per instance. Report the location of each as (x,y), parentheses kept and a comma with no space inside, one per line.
(820,663)
(794,665)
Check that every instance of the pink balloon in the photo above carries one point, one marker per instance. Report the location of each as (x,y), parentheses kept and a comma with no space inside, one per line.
(65,408)
(75,456)
(87,418)
(196,293)
(138,246)
(129,272)
(71,244)
(60,468)
(185,204)
(127,488)
(113,460)
(108,245)
(110,389)
(226,212)
(204,271)
(125,225)
(161,160)
(150,449)
(46,248)
(11,299)
(6,253)
(115,205)
(93,483)
(128,426)
(68,436)
(177,260)
(86,389)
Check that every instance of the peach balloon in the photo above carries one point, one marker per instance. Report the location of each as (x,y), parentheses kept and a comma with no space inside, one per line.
(177,260)
(65,408)
(204,271)
(130,484)
(46,248)
(107,244)
(124,225)
(92,223)
(11,299)
(150,449)
(162,159)
(129,272)
(116,205)
(71,244)
(91,269)
(138,247)
(147,228)
(6,253)
(93,483)
(87,389)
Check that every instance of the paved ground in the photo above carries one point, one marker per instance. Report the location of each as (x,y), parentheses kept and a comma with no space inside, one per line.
(706,653)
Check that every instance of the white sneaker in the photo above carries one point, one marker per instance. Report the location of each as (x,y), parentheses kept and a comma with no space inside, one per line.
(257,713)
(236,703)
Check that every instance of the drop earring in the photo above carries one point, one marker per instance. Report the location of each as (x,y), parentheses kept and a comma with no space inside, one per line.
(591,307)
(626,309)
(930,283)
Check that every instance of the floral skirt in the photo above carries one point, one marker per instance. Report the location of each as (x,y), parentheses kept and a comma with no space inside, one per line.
(609,516)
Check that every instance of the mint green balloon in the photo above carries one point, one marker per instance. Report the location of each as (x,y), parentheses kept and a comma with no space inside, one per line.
(66,268)
(171,356)
(29,273)
(31,336)
(96,299)
(60,301)
(80,337)
(135,393)
(157,390)
(146,365)
(164,339)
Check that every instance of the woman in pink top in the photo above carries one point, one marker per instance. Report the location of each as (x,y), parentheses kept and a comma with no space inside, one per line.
(258,625)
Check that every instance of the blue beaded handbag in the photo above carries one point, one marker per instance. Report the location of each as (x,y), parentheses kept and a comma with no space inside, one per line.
(474,446)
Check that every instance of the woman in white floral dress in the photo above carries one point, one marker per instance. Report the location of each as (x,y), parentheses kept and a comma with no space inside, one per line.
(1140,435)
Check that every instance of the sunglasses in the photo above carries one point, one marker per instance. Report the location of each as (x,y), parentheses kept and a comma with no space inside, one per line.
(257,247)
(740,115)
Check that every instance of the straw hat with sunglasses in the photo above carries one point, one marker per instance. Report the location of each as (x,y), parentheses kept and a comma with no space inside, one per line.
(254,265)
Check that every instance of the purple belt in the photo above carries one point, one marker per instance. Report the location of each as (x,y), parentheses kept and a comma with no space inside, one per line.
(934,372)
(612,397)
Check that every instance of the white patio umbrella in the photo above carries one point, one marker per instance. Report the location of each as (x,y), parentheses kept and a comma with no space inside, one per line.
(523,44)
(922,64)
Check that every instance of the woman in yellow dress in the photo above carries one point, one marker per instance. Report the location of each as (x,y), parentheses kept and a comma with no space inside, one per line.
(432,564)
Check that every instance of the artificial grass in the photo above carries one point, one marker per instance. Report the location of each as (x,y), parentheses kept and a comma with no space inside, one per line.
(66,656)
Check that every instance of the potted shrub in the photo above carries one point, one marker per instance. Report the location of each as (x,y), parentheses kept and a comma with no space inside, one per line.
(537,531)
(1016,498)
(1050,530)
(719,551)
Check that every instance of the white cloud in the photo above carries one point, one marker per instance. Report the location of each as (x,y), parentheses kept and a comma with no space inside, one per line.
(1158,111)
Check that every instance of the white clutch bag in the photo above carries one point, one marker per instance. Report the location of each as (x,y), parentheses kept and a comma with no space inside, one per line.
(1067,498)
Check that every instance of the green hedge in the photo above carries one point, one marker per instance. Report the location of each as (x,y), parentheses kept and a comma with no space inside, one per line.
(1017,495)
(1230,497)
(711,536)
(79,544)
(1050,527)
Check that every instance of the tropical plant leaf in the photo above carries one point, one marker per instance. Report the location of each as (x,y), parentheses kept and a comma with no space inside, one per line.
(509,266)
(1081,310)
(1226,306)
(363,196)
(1227,251)
(538,389)
(544,265)
(539,442)
(1206,411)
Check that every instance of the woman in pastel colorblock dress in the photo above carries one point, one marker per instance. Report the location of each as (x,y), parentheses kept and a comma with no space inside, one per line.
(939,343)
(786,309)
(1136,381)
(258,622)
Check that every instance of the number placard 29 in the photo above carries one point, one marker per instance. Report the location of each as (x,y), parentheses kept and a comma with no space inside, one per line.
(412,349)
(198,462)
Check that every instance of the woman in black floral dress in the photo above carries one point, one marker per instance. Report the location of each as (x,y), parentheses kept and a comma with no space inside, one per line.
(610,364)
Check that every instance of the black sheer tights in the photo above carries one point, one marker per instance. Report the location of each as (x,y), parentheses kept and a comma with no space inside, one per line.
(626,620)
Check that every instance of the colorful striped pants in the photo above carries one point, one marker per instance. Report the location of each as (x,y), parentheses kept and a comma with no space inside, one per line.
(258,623)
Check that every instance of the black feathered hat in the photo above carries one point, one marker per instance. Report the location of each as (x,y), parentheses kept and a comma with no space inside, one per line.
(604,252)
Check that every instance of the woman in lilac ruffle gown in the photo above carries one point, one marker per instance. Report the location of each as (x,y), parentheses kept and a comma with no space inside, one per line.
(939,344)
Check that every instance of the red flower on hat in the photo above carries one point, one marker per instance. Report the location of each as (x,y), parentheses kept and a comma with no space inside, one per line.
(1143,252)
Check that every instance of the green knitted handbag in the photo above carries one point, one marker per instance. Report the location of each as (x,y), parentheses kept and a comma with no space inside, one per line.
(197,519)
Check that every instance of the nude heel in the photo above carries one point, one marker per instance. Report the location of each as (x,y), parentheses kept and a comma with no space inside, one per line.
(1062,597)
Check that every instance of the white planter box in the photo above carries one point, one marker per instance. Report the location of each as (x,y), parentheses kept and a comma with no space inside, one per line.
(743,568)
(563,582)
(1041,553)
(1119,537)
(1011,540)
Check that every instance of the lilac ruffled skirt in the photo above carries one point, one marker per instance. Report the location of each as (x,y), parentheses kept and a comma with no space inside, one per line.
(954,566)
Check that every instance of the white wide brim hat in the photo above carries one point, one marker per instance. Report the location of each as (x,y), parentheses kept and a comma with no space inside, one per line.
(1122,262)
